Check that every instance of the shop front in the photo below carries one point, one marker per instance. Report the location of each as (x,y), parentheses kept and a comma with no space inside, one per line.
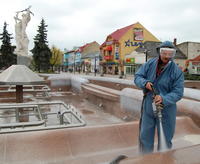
(129,66)
(110,55)
(110,68)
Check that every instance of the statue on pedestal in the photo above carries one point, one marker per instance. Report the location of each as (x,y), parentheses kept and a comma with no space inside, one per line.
(20,31)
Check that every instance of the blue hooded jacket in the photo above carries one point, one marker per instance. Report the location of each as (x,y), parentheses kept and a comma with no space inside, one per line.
(170,85)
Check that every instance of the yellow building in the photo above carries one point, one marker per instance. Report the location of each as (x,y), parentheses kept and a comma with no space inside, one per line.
(121,43)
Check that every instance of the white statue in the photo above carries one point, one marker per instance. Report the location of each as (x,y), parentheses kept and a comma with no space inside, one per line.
(20,31)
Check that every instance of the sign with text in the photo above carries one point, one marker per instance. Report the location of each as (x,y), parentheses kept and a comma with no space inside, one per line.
(138,34)
(129,43)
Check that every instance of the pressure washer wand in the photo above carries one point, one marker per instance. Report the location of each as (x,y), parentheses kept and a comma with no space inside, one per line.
(157,108)
(162,145)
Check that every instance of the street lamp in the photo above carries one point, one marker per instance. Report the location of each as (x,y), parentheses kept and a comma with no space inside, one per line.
(95,64)
(95,70)
(121,64)
(74,63)
(145,51)
(146,54)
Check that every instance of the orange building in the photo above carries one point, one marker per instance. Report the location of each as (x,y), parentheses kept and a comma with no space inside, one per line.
(121,43)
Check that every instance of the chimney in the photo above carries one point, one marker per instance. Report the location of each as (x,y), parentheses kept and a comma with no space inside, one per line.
(175,41)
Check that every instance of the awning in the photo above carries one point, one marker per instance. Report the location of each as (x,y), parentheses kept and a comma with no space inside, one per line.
(109,63)
(109,48)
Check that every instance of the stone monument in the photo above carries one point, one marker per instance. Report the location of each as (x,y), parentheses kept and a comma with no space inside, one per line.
(22,18)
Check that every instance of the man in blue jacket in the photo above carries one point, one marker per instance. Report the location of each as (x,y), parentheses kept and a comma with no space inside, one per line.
(166,77)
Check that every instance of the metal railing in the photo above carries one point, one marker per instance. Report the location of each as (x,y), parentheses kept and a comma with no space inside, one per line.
(41,116)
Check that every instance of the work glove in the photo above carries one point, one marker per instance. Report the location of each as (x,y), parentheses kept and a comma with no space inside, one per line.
(160,106)
(149,86)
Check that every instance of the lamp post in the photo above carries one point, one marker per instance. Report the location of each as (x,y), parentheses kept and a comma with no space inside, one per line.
(95,70)
(145,51)
(121,64)
(74,62)
(146,54)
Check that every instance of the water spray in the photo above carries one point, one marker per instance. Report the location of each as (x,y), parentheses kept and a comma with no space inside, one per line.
(162,144)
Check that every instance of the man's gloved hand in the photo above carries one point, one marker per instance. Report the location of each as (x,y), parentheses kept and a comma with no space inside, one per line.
(158,99)
(158,102)
(159,106)
(149,86)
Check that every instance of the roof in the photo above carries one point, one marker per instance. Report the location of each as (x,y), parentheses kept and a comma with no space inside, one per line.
(150,48)
(196,58)
(116,35)
(120,32)
(71,51)
(194,61)
(84,46)
(19,75)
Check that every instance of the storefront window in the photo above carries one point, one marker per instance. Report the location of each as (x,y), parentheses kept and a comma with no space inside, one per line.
(132,69)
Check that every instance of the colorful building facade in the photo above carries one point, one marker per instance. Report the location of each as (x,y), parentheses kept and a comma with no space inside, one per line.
(90,56)
(122,43)
(83,59)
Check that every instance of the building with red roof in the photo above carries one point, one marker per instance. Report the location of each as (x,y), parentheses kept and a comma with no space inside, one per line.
(121,43)
(193,65)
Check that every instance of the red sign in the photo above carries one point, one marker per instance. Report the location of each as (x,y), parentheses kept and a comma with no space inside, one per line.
(108,57)
(130,60)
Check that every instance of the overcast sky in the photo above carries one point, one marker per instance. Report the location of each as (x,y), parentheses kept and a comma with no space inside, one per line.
(76,22)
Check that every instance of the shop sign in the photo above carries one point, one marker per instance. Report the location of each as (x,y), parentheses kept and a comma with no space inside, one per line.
(129,43)
(116,49)
(108,57)
(116,56)
(130,60)
(138,34)
(109,43)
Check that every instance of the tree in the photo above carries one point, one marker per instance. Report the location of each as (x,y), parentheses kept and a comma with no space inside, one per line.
(57,55)
(41,52)
(7,57)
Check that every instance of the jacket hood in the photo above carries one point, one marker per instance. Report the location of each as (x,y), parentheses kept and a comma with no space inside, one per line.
(165,44)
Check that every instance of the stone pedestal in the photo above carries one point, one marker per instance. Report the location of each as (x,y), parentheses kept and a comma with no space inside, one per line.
(20,112)
(23,60)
